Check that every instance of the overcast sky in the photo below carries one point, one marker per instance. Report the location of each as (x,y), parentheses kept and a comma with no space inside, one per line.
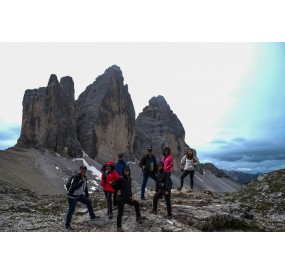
(229,96)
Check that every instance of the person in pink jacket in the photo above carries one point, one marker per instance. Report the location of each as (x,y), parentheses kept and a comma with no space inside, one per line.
(167,160)
(109,175)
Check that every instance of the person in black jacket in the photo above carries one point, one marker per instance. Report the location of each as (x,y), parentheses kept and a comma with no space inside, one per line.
(78,192)
(123,188)
(162,188)
(148,166)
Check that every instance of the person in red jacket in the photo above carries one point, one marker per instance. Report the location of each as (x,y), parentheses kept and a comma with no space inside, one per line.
(109,175)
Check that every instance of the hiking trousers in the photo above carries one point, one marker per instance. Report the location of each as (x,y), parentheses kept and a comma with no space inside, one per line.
(184,175)
(167,198)
(109,196)
(72,202)
(121,206)
(145,180)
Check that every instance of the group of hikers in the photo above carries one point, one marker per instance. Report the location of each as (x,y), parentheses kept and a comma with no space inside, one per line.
(116,183)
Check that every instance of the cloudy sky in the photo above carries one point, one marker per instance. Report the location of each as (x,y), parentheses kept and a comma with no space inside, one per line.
(229,96)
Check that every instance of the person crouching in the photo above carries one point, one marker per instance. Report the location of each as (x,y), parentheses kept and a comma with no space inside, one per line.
(162,188)
(123,188)
(108,176)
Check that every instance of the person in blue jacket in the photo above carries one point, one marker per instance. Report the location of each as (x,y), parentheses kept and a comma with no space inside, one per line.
(120,163)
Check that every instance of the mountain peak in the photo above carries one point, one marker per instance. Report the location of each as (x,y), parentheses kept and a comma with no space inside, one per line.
(53,80)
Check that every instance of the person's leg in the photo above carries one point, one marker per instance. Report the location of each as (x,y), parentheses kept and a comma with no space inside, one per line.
(115,199)
(121,205)
(109,202)
(169,174)
(145,179)
(71,208)
(168,204)
(185,173)
(192,178)
(83,199)
(153,177)
(136,205)
(156,197)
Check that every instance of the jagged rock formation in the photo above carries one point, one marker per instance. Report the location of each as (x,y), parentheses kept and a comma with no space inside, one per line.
(158,126)
(216,171)
(48,118)
(105,117)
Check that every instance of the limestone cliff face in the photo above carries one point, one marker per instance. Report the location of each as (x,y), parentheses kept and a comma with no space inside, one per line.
(105,117)
(48,118)
(158,126)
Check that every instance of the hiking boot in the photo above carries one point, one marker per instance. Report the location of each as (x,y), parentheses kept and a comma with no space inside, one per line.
(154,212)
(179,188)
(110,216)
(140,219)
(95,218)
(168,217)
(69,229)
(119,229)
(143,198)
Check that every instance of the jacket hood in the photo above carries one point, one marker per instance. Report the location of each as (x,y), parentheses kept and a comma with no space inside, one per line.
(108,163)
(123,168)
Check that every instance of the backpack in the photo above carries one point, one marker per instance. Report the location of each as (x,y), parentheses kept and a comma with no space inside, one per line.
(69,183)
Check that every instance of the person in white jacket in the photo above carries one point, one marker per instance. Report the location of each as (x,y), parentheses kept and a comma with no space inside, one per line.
(188,164)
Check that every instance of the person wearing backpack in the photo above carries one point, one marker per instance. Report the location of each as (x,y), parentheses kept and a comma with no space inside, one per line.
(78,192)
(109,175)
(162,188)
(123,189)
(188,162)
(148,166)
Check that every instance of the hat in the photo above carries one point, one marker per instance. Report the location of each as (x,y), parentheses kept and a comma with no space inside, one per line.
(149,148)
(83,167)
(110,163)
(120,155)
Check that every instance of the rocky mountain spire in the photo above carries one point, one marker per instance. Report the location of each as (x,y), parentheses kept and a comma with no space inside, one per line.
(159,127)
(105,117)
(48,118)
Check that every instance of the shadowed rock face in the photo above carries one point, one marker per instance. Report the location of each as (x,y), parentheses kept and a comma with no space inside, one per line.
(105,117)
(158,126)
(48,118)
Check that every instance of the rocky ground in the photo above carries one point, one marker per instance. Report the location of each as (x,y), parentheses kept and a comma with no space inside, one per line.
(33,198)
(246,210)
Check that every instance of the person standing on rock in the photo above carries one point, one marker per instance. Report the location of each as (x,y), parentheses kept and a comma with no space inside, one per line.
(188,163)
(120,163)
(109,175)
(123,189)
(162,188)
(148,166)
(78,192)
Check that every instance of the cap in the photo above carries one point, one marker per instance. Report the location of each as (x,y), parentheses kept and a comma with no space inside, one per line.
(83,167)
(120,155)
(149,148)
